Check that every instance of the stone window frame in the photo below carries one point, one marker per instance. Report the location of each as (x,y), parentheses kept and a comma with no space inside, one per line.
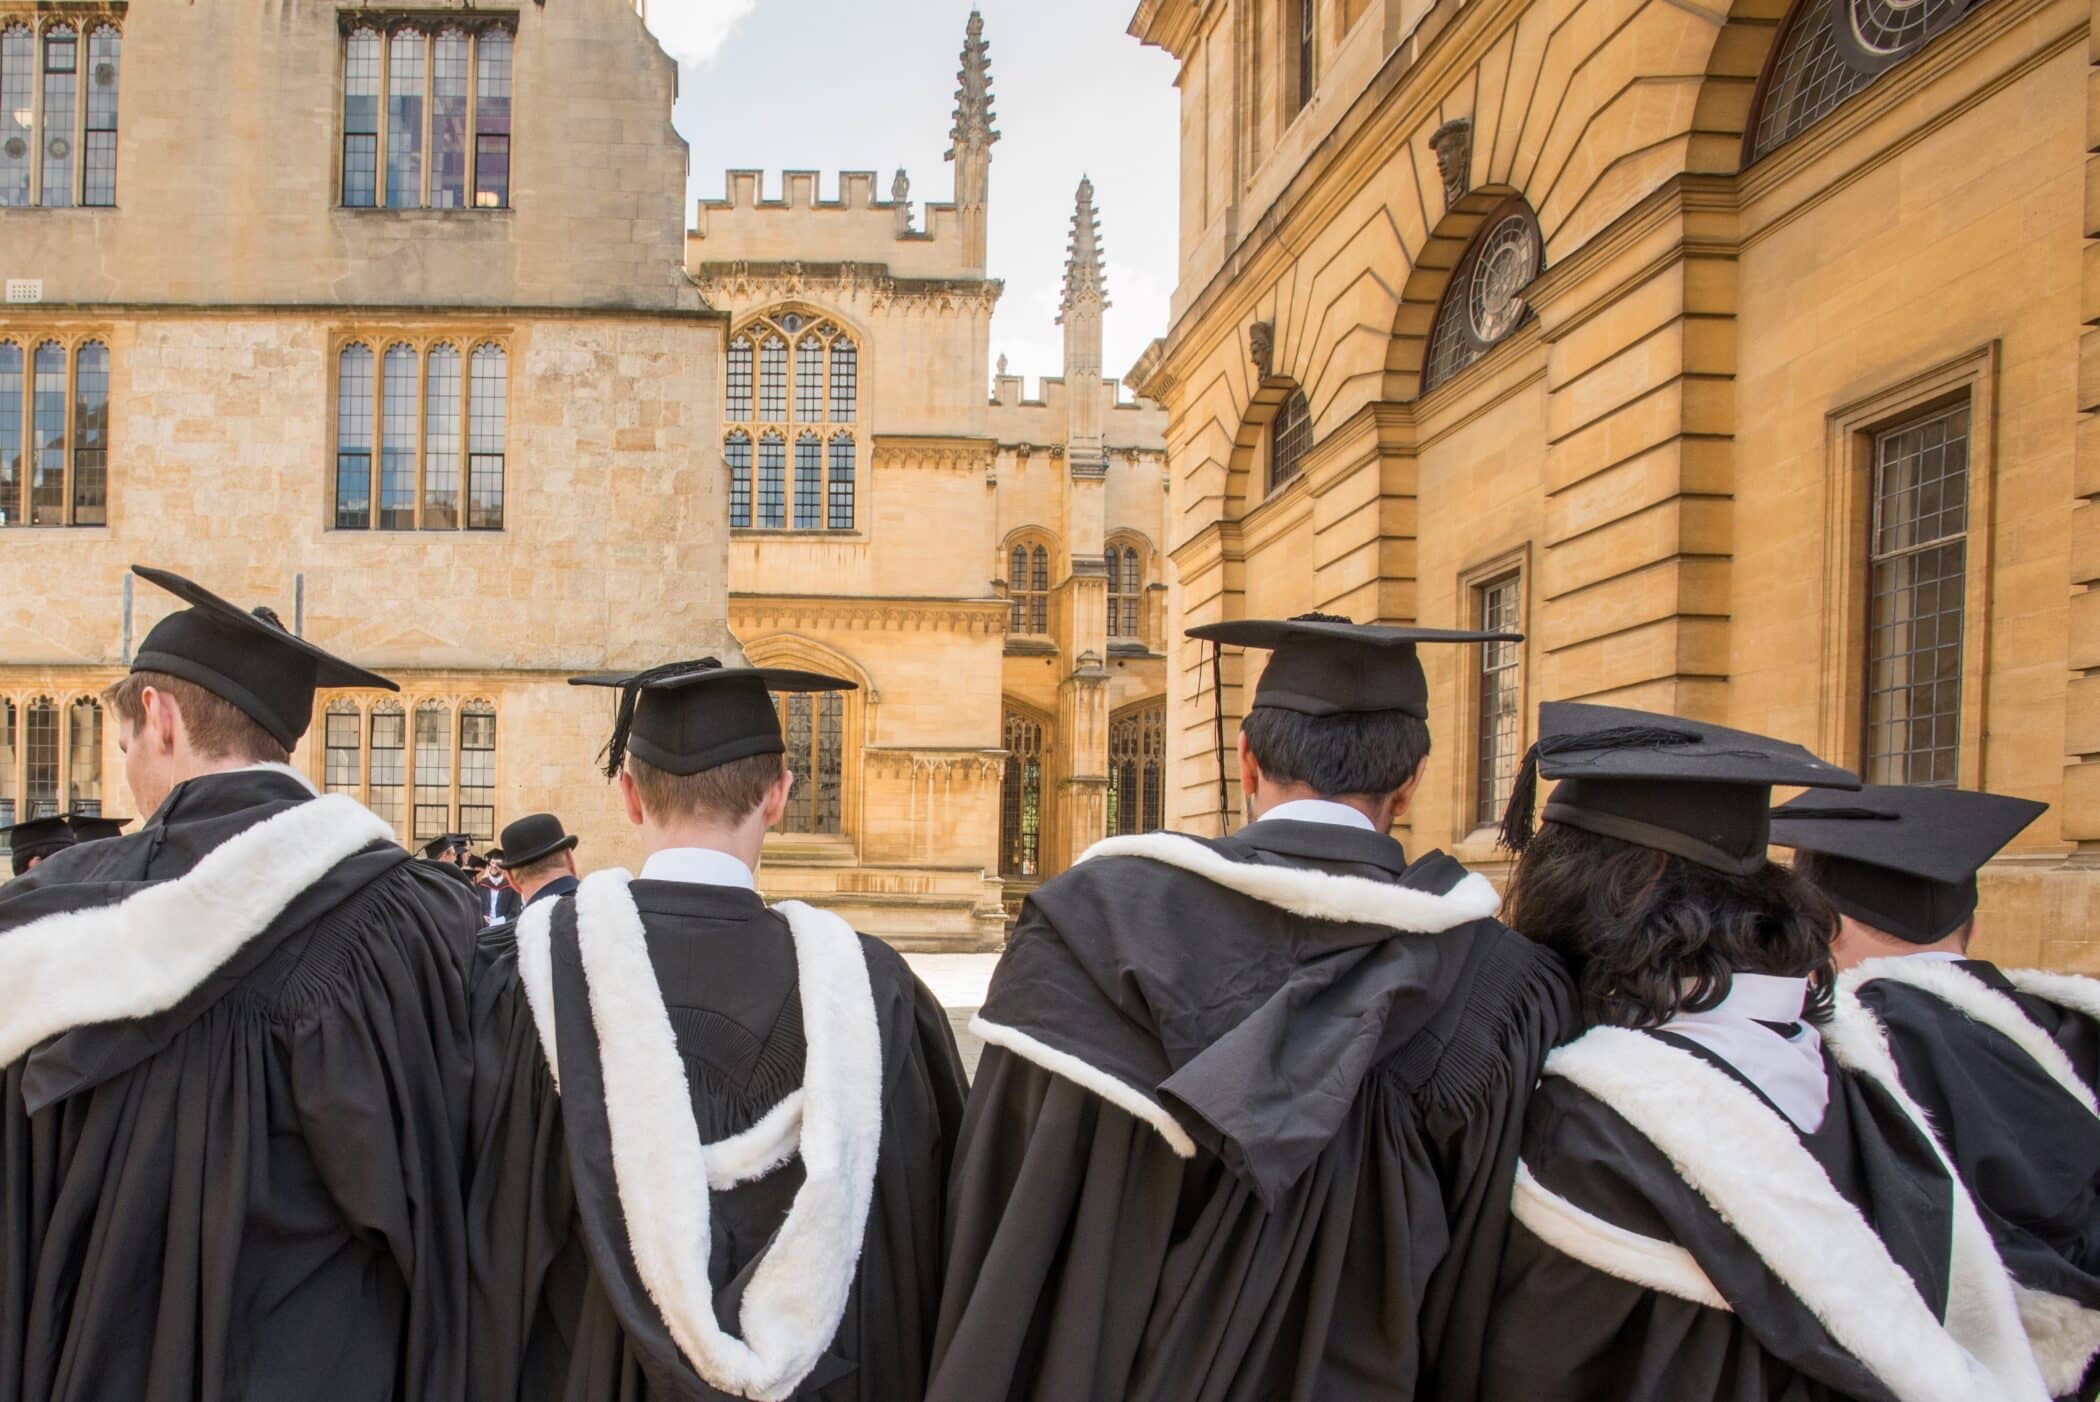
(1014,712)
(14,767)
(1454,344)
(385,25)
(805,654)
(362,703)
(85,21)
(1134,600)
(1470,604)
(841,497)
(378,340)
(72,340)
(1023,594)
(1144,722)
(1848,482)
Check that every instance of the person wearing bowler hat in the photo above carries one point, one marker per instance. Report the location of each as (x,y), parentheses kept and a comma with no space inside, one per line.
(539,857)
(234,1061)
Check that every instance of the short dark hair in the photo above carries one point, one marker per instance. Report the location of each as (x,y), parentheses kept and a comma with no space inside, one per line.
(1371,752)
(1649,935)
(727,792)
(534,870)
(217,728)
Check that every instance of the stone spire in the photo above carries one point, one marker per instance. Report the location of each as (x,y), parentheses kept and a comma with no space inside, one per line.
(970,141)
(1086,296)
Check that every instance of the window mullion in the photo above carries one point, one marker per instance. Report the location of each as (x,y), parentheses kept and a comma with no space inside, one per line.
(381,157)
(422,429)
(377,456)
(81,78)
(38,38)
(466,420)
(473,116)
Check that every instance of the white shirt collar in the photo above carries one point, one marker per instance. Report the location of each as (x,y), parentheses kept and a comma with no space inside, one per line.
(1789,1070)
(697,866)
(1317,810)
(1948,956)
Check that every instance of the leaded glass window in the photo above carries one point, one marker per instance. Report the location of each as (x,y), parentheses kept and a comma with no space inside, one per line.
(448,120)
(809,482)
(344,765)
(477,770)
(1917,594)
(1289,438)
(361,118)
(1137,758)
(47,443)
(441,429)
(353,438)
(809,379)
(492,119)
(433,761)
(61,92)
(40,757)
(58,474)
(772,482)
(1307,26)
(1484,301)
(389,761)
(1028,584)
(7,768)
(99,129)
(17,111)
(737,404)
(488,414)
(840,508)
(736,451)
(1021,798)
(1499,722)
(84,757)
(91,434)
(404,120)
(814,726)
(1834,49)
(397,439)
(845,381)
(58,114)
(413,406)
(1125,591)
(11,477)
(772,379)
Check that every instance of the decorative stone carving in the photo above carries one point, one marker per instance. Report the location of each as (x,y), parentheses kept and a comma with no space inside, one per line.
(1453,144)
(1261,346)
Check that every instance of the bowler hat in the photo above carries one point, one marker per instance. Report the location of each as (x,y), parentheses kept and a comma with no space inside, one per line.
(532,837)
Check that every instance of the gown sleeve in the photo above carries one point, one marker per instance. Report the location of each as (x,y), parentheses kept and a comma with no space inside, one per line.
(379,1075)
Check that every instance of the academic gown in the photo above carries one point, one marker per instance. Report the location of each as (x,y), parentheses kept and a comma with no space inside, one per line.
(1564,1330)
(1220,1147)
(255,1194)
(560,1313)
(2027,1146)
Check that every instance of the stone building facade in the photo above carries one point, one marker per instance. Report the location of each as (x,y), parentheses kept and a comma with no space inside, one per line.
(1732,349)
(989,569)
(376,316)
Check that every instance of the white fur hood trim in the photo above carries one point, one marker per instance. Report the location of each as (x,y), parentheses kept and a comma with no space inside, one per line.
(148,952)
(2074,991)
(2065,1335)
(1749,1165)
(1980,1003)
(1316,895)
(1605,1246)
(799,1291)
(1119,1093)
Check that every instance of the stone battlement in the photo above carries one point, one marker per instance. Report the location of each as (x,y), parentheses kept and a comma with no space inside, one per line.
(858,225)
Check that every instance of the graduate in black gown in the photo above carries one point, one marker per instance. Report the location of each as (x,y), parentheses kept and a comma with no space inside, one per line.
(2002,1059)
(236,1067)
(1724,1192)
(711,1136)
(1248,1111)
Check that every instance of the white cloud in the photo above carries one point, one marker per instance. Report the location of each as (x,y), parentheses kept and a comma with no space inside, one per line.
(693,31)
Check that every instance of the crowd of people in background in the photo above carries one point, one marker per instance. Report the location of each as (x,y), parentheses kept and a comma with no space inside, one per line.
(1288,1113)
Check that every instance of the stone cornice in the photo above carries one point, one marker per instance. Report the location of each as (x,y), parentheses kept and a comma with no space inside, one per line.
(939,454)
(861,613)
(338,311)
(924,762)
(873,283)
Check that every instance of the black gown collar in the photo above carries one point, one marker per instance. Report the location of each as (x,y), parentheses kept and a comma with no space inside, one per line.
(1319,842)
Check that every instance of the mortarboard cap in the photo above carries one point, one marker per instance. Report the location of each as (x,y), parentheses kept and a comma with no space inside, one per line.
(93,827)
(250,660)
(1903,859)
(444,842)
(1698,791)
(685,717)
(36,837)
(1322,665)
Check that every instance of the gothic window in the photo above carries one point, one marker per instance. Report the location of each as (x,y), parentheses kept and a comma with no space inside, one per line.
(442,90)
(411,405)
(389,761)
(1021,798)
(736,451)
(61,94)
(1484,301)
(1833,49)
(54,434)
(1125,592)
(345,763)
(1028,584)
(17,112)
(1289,439)
(814,724)
(40,758)
(98,184)
(772,482)
(1137,769)
(7,767)
(84,757)
(809,482)
(477,770)
(840,510)
(433,770)
(821,388)
(1498,721)
(1917,586)
(58,114)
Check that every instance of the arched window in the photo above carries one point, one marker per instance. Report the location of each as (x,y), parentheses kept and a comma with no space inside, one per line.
(11,476)
(1021,798)
(821,388)
(344,770)
(477,770)
(61,94)
(1137,759)
(1484,301)
(488,419)
(814,724)
(441,429)
(353,437)
(361,118)
(433,761)
(17,111)
(47,442)
(1289,438)
(1833,49)
(409,404)
(40,757)
(448,119)
(772,482)
(809,482)
(7,767)
(98,184)
(84,757)
(1125,592)
(404,121)
(91,434)
(1028,582)
(389,763)
(736,451)
(492,55)
(397,439)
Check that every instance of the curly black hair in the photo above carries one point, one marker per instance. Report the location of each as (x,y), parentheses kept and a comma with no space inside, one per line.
(1649,935)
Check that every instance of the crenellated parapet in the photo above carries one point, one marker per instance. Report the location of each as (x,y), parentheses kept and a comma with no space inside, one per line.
(853,225)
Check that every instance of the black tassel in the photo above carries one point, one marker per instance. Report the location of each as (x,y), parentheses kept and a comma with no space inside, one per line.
(615,752)
(1518,825)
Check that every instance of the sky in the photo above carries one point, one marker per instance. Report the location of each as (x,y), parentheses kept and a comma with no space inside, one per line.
(833,85)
